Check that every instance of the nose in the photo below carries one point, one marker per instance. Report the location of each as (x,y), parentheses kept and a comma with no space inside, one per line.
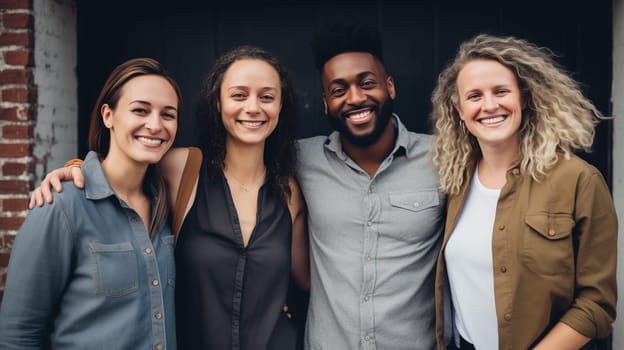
(154,122)
(489,103)
(355,96)
(252,106)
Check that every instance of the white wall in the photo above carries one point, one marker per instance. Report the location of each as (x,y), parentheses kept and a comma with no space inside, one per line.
(56,131)
(617,99)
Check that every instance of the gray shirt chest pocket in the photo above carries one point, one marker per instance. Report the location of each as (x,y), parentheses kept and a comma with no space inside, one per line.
(116,272)
(412,216)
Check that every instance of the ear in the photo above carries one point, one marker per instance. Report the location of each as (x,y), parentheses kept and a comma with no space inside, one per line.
(324,104)
(390,87)
(459,111)
(107,115)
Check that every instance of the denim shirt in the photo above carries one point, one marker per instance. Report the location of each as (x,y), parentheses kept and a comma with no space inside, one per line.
(84,274)
(373,245)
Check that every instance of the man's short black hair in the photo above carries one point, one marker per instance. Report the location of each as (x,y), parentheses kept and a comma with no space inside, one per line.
(337,38)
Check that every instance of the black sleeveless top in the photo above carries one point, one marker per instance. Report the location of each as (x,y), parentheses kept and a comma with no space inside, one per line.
(229,296)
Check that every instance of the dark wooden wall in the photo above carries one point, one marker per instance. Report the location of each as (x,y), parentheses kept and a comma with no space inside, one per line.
(419,38)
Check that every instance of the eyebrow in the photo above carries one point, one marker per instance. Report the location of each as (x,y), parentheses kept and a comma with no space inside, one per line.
(360,75)
(149,104)
(499,86)
(244,87)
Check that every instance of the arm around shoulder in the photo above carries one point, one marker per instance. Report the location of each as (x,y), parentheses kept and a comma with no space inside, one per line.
(43,193)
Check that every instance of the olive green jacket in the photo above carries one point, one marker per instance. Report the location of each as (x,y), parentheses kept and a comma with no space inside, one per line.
(554,250)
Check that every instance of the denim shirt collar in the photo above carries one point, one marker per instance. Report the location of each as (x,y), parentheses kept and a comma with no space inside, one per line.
(96,184)
(334,144)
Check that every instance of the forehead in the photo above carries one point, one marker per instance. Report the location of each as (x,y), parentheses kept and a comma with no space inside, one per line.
(251,71)
(485,72)
(349,65)
(149,88)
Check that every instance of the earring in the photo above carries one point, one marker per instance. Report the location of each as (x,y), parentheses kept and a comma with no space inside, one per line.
(463,128)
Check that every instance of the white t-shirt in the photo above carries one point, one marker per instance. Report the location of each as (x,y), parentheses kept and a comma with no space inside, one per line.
(469,266)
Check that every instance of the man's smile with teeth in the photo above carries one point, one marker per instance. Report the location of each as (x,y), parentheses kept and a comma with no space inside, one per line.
(359,115)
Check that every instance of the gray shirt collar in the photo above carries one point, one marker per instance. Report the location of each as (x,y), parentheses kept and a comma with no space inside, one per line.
(334,144)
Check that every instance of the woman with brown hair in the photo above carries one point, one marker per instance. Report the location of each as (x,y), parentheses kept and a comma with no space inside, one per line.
(95,268)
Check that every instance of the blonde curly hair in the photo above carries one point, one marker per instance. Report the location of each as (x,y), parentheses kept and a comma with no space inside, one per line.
(557,118)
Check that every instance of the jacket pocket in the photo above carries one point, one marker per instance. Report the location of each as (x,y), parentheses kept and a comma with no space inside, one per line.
(548,247)
(116,268)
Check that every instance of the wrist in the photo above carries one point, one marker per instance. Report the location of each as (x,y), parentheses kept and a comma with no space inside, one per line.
(73,162)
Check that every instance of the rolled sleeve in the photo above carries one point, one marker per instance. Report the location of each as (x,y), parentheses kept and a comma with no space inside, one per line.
(594,308)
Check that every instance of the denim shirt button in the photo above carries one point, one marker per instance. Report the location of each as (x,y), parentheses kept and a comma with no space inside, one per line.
(155,283)
(148,250)
(158,315)
(159,347)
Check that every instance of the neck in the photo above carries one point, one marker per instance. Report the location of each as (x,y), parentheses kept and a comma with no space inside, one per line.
(369,158)
(244,162)
(494,164)
(500,156)
(125,177)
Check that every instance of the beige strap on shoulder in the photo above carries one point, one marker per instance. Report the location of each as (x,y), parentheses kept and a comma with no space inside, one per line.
(187,183)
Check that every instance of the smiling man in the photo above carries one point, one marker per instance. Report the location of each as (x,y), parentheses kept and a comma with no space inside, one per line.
(375,211)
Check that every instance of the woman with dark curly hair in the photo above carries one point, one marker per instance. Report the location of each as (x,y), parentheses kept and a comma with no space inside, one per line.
(529,251)
(245,230)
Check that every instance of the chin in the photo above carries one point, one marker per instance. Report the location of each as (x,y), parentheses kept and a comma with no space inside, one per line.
(150,158)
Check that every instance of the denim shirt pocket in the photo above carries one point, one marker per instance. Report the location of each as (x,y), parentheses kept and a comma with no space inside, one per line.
(168,244)
(116,268)
(412,214)
(548,248)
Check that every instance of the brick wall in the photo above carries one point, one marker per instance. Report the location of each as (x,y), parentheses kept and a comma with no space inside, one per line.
(18,100)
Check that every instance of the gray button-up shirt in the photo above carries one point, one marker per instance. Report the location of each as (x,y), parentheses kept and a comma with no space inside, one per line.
(373,245)
(84,274)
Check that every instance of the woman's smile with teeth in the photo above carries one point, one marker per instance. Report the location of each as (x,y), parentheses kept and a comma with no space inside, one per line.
(493,120)
(150,141)
(251,124)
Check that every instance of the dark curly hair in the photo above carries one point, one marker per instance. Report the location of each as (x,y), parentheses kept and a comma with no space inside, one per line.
(279,151)
(336,38)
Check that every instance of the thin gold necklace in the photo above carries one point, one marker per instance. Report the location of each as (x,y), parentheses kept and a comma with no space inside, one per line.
(245,188)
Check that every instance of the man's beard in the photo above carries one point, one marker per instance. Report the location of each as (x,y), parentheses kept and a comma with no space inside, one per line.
(381,122)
